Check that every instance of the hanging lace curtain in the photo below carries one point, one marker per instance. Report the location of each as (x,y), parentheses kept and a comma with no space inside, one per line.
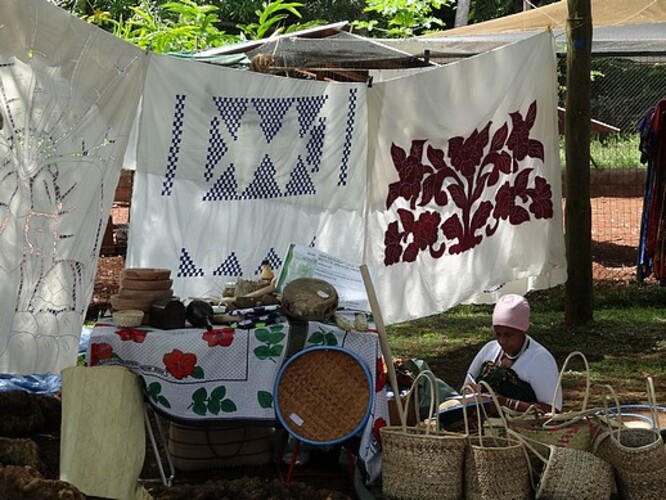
(68,97)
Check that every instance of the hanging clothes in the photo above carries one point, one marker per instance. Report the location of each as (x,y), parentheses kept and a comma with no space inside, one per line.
(652,244)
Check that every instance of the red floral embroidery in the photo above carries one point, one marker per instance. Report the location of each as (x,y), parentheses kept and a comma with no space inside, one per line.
(100,352)
(132,334)
(180,364)
(222,337)
(379,423)
(381,375)
(477,163)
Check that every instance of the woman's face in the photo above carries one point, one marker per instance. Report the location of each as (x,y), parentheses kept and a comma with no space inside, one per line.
(510,339)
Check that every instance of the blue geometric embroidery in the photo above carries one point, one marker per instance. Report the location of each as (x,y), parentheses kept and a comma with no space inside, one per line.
(216,148)
(232,110)
(187,268)
(174,149)
(308,109)
(349,131)
(263,185)
(299,181)
(225,188)
(230,267)
(272,111)
(315,145)
(272,258)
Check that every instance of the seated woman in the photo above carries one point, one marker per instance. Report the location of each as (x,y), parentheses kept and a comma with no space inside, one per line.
(520,370)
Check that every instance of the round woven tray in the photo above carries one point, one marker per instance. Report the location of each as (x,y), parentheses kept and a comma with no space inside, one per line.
(323,395)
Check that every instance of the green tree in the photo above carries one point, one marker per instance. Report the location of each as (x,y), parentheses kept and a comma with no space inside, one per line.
(401,18)
(182,26)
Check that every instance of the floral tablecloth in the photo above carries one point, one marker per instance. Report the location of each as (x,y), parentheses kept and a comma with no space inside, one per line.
(194,375)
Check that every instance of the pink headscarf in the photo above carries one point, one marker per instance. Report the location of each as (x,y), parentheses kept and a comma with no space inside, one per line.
(512,311)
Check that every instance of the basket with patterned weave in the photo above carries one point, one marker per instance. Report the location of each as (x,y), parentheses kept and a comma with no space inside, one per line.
(323,395)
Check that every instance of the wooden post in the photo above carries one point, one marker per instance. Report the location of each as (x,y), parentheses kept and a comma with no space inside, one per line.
(578,213)
(383,340)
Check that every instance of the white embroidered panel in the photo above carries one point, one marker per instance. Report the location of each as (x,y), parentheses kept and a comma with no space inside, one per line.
(68,95)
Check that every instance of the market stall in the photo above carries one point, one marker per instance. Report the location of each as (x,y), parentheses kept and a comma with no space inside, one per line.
(194,375)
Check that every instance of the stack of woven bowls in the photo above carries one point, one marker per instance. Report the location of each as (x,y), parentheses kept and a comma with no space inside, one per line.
(141,287)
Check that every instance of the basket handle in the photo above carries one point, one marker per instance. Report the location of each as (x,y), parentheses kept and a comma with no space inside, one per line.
(507,429)
(652,402)
(586,397)
(434,400)
(481,408)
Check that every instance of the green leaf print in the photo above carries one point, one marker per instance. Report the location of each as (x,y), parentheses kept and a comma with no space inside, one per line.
(200,395)
(218,393)
(317,338)
(202,404)
(199,409)
(228,406)
(265,399)
(198,373)
(262,352)
(163,401)
(214,406)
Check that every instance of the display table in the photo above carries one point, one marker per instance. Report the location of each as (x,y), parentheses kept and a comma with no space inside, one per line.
(196,376)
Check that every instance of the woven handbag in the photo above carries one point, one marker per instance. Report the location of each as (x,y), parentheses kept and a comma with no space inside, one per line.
(420,462)
(570,473)
(572,429)
(638,455)
(496,467)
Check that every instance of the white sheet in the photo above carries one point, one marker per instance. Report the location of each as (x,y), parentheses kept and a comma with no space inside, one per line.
(68,95)
(464,182)
(233,166)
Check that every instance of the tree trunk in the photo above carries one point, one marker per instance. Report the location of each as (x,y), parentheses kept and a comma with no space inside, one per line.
(462,13)
(578,214)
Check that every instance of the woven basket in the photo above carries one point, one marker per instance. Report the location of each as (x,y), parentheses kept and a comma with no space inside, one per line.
(638,456)
(496,467)
(420,462)
(223,445)
(570,473)
(323,395)
(573,429)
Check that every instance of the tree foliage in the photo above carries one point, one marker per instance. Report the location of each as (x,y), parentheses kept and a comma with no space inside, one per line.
(401,18)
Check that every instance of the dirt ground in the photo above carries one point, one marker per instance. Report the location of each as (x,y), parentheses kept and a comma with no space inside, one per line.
(615,227)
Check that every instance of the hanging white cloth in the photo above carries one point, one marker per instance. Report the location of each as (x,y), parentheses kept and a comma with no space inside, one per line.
(464,182)
(233,166)
(68,96)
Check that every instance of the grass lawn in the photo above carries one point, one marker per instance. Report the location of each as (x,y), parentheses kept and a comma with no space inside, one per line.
(624,344)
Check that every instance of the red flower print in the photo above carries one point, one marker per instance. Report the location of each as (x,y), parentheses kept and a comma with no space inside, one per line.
(381,375)
(426,230)
(519,140)
(100,352)
(392,240)
(132,334)
(542,199)
(222,337)
(461,189)
(180,364)
(379,423)
(466,154)
(411,172)
(505,200)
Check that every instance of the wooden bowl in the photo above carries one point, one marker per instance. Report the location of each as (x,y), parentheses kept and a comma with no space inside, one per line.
(128,318)
(146,273)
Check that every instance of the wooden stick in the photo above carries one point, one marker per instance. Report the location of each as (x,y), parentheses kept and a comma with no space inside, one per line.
(383,339)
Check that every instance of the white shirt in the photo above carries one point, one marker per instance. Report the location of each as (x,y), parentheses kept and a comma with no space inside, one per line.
(535,366)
